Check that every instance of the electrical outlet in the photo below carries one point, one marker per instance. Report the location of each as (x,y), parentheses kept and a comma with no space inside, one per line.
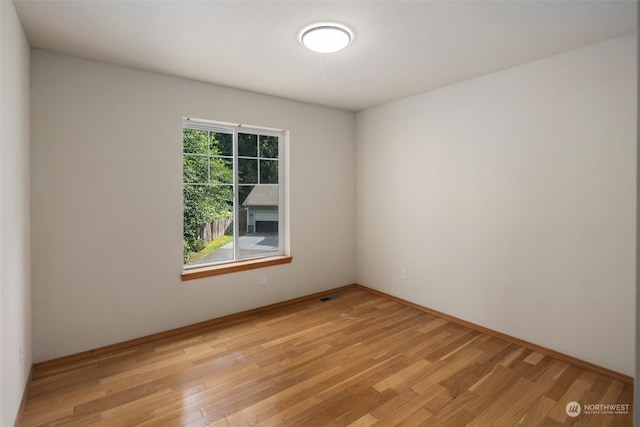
(21,354)
(403,274)
(263,279)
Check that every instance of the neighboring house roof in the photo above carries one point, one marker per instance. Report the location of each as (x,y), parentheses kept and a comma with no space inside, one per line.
(262,195)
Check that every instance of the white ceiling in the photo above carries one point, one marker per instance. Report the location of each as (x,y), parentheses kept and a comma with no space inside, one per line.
(400,47)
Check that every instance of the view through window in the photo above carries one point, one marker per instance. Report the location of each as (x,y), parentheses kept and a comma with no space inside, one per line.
(231,193)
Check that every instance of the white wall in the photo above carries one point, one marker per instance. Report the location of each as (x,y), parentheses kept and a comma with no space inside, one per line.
(107,203)
(15,276)
(510,199)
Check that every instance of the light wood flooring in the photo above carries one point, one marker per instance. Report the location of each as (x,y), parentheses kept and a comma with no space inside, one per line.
(361,360)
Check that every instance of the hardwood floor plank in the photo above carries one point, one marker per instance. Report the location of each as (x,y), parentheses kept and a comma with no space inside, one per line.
(272,396)
(447,350)
(283,416)
(404,407)
(549,422)
(365,401)
(537,412)
(443,369)
(360,360)
(120,398)
(476,402)
(418,418)
(574,393)
(341,407)
(534,358)
(505,411)
(364,421)
(397,377)
(385,410)
(174,418)
(564,382)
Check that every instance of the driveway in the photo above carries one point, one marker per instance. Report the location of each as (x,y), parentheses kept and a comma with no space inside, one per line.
(249,245)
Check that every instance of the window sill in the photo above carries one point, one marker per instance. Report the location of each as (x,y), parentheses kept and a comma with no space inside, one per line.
(234,267)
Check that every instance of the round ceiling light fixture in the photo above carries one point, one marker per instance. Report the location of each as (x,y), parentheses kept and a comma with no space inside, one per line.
(326,38)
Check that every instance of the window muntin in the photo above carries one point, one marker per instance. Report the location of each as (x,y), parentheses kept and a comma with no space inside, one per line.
(232,193)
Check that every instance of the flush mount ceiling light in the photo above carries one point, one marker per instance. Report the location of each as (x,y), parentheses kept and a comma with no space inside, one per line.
(326,38)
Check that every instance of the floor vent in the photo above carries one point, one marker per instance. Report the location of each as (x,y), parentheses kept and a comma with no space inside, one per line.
(330,297)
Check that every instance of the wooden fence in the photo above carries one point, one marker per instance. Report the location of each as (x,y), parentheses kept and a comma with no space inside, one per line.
(219,227)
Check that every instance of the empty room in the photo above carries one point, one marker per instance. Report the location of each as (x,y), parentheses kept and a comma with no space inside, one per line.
(318,213)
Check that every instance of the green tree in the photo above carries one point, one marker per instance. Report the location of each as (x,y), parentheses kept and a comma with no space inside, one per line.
(207,178)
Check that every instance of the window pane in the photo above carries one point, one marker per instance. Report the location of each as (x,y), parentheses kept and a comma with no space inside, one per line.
(208,223)
(269,147)
(195,169)
(243,193)
(247,145)
(218,163)
(195,141)
(221,144)
(259,233)
(268,171)
(221,170)
(248,171)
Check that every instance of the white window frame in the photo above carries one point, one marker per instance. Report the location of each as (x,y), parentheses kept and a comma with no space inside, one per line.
(235,130)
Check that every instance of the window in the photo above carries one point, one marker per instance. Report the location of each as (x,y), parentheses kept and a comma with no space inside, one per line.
(232,193)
